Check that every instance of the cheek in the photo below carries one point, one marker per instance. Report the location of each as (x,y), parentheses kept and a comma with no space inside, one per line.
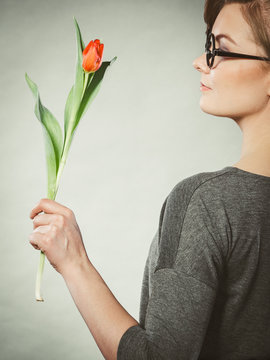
(240,83)
(245,76)
(238,89)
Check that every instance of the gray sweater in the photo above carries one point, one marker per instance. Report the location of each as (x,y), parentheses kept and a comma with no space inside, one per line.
(206,284)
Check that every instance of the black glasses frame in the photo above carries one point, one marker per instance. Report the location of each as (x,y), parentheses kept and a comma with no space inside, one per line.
(210,55)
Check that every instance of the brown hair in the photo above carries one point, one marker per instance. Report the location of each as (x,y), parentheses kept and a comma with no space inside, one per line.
(255,12)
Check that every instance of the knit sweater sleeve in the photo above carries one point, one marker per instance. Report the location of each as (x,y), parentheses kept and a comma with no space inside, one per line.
(184,283)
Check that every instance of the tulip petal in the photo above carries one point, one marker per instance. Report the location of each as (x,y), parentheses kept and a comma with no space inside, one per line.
(100,50)
(85,51)
(89,60)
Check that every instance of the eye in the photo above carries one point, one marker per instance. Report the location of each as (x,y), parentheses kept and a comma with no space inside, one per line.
(223,48)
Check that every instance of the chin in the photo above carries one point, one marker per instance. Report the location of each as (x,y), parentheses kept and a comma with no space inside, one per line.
(206,108)
(212,110)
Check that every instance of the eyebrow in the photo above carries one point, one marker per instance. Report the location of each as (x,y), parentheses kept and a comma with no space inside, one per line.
(227,37)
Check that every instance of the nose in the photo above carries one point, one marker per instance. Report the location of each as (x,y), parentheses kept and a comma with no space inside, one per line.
(200,64)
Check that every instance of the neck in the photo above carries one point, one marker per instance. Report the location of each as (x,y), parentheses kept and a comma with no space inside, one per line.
(255,152)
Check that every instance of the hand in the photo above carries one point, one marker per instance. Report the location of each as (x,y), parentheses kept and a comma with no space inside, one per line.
(57,234)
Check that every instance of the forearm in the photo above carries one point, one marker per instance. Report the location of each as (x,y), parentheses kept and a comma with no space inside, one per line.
(105,317)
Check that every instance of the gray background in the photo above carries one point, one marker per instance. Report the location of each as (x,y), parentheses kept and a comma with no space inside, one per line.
(143,134)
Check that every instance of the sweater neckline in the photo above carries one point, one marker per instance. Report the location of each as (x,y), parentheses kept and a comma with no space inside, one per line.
(248,173)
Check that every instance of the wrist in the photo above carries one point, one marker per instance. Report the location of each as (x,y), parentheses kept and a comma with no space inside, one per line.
(81,266)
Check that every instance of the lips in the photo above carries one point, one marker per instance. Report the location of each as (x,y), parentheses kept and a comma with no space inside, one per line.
(202,84)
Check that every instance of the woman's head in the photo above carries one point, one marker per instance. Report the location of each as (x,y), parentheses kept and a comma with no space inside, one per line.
(239,87)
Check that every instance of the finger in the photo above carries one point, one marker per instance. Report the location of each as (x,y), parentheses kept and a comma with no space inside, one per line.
(36,238)
(44,219)
(42,229)
(50,207)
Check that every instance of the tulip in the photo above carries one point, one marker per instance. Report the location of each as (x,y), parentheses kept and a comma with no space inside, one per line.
(92,56)
(91,60)
(79,98)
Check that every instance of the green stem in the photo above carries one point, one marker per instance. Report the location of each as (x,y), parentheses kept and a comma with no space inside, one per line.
(59,173)
(52,194)
(42,255)
(85,81)
(39,274)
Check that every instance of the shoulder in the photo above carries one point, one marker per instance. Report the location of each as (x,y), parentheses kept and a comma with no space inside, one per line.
(208,185)
(193,211)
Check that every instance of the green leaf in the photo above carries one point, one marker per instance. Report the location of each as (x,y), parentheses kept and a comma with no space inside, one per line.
(80,43)
(92,89)
(74,98)
(68,113)
(79,80)
(52,134)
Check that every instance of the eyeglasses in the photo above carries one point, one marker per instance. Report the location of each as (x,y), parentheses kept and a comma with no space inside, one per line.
(211,52)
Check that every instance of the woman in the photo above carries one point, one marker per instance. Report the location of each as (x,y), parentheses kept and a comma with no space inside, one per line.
(206,284)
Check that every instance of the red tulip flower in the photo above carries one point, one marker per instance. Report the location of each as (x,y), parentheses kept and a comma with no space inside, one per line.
(92,56)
